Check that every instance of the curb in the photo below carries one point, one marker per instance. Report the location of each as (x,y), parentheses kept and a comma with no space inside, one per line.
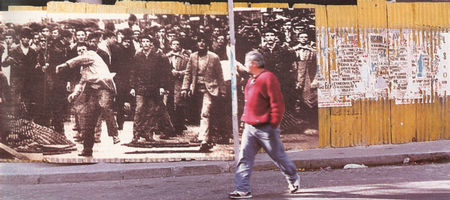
(206,168)
(340,162)
(191,169)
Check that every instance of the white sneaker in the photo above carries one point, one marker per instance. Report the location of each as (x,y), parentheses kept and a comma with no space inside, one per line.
(293,188)
(240,195)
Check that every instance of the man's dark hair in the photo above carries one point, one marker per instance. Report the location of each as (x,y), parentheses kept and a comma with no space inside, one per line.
(26,33)
(174,41)
(145,36)
(80,29)
(10,32)
(269,30)
(81,44)
(205,38)
(108,34)
(132,17)
(65,33)
(94,35)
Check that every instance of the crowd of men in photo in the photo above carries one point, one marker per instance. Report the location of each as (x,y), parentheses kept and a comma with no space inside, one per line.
(161,73)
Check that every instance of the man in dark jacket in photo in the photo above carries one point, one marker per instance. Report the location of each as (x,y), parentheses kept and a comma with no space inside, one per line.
(150,75)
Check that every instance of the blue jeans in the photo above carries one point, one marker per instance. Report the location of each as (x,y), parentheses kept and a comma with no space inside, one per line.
(253,139)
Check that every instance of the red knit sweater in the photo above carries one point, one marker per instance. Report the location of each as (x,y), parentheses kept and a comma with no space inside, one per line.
(263,100)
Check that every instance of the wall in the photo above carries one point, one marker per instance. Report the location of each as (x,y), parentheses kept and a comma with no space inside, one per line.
(383,66)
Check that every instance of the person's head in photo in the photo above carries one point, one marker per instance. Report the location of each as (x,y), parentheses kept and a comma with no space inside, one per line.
(43,41)
(175,45)
(109,37)
(65,36)
(35,40)
(255,24)
(110,27)
(203,43)
(171,35)
(176,28)
(299,28)
(127,39)
(221,40)
(45,31)
(287,26)
(127,42)
(70,28)
(270,36)
(303,38)
(26,36)
(10,35)
(161,32)
(132,20)
(201,29)
(216,32)
(80,35)
(136,32)
(93,40)
(147,42)
(82,48)
(54,32)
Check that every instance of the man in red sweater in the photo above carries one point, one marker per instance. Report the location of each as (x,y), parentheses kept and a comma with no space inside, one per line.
(263,111)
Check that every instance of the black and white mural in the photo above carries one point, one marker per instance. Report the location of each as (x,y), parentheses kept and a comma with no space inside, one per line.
(146,88)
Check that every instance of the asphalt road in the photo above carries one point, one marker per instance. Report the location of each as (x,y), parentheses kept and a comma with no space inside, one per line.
(429,181)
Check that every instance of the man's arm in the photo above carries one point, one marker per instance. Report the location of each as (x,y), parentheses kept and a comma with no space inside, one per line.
(76,91)
(219,76)
(166,73)
(276,101)
(133,74)
(187,77)
(75,62)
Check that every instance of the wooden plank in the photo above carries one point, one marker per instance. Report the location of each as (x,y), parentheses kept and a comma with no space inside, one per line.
(375,122)
(269,5)
(400,15)
(241,4)
(386,128)
(159,7)
(25,8)
(218,8)
(66,7)
(372,14)
(139,11)
(403,122)
(345,125)
(342,16)
(357,134)
(131,4)
(446,116)
(367,120)
(324,127)
(437,119)
(14,153)
(196,9)
(108,9)
(421,121)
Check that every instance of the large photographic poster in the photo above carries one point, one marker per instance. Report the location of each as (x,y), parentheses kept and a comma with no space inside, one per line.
(287,39)
(135,87)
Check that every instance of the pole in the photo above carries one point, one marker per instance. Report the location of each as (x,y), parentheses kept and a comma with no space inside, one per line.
(233,82)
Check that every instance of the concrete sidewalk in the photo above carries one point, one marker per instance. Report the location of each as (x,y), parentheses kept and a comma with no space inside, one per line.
(42,173)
